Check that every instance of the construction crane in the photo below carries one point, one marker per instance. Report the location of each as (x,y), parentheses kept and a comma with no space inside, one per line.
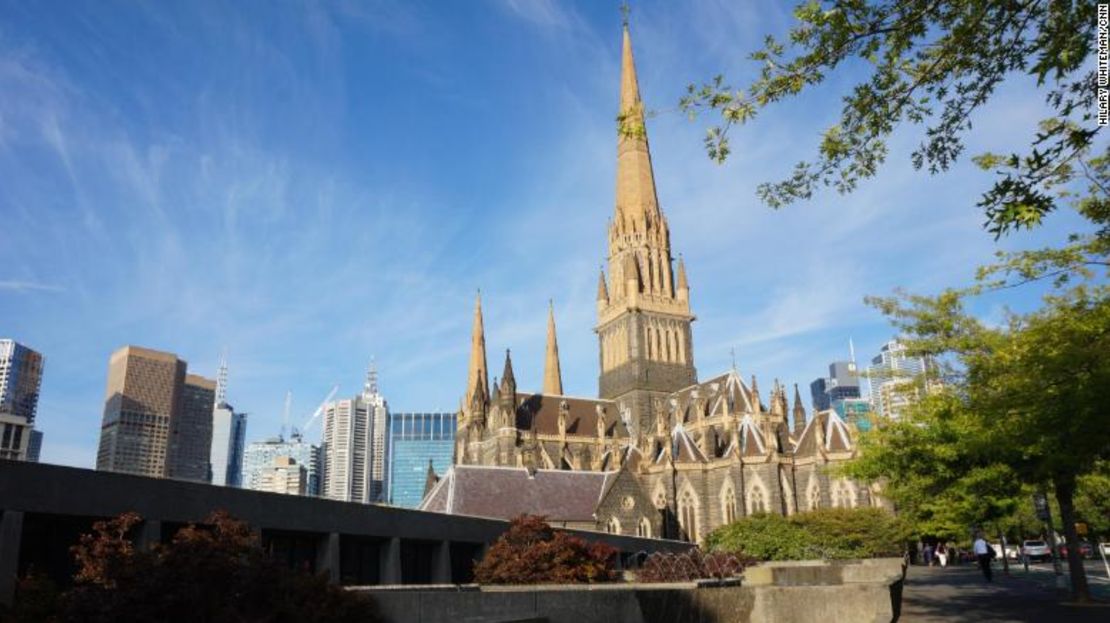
(319,410)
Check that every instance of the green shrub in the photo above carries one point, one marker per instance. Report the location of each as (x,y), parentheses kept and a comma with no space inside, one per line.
(830,533)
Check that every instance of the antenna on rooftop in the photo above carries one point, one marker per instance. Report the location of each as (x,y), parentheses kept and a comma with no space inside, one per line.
(221,379)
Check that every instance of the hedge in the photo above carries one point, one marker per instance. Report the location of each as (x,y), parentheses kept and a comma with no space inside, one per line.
(830,533)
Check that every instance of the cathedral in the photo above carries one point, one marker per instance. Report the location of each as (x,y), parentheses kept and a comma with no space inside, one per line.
(688,455)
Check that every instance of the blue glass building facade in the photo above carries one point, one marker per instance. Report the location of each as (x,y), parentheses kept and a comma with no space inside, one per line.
(412,440)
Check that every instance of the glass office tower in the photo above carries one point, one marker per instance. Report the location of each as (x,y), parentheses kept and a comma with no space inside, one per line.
(414,439)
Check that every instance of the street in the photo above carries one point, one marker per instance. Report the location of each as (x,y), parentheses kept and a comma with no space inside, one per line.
(960,594)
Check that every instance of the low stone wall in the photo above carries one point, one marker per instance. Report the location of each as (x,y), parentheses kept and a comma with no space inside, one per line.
(815,592)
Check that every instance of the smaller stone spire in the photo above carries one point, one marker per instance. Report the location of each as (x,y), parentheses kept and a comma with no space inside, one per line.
(552,374)
(602,289)
(430,479)
(508,380)
(799,412)
(756,404)
(683,284)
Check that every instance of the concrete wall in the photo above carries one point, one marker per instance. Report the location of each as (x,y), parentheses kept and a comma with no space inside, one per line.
(814,592)
(43,509)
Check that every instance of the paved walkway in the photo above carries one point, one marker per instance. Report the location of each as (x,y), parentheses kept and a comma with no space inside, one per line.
(960,594)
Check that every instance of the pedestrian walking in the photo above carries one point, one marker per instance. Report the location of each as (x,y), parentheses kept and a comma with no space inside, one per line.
(984,553)
(942,554)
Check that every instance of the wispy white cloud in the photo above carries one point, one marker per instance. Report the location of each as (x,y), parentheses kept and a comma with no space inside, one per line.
(29,286)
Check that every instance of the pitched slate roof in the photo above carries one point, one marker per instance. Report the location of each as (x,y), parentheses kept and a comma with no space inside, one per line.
(543,411)
(506,492)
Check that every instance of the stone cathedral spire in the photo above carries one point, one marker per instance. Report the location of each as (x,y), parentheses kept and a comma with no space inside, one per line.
(552,375)
(643,320)
(477,384)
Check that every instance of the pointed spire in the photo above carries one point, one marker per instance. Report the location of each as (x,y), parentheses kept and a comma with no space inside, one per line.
(430,478)
(799,412)
(682,283)
(477,380)
(636,198)
(602,290)
(508,380)
(757,405)
(552,375)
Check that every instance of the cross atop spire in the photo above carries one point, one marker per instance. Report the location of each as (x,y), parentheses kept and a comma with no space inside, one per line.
(625,10)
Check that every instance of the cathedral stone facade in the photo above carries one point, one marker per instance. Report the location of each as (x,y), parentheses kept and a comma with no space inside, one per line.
(703,453)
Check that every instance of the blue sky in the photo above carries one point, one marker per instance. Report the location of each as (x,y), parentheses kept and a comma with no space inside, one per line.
(312,184)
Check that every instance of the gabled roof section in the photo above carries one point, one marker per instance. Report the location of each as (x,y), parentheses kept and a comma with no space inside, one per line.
(684,448)
(826,431)
(751,439)
(506,492)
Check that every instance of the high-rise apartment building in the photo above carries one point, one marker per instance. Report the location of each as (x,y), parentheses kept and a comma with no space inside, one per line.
(414,440)
(142,399)
(20,380)
(378,412)
(261,454)
(892,375)
(346,450)
(284,476)
(191,430)
(229,432)
(353,429)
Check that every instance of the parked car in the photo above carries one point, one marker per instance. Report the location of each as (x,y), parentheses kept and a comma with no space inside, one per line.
(1085,550)
(1036,550)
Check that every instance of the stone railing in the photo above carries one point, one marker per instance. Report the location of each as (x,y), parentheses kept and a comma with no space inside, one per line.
(868,590)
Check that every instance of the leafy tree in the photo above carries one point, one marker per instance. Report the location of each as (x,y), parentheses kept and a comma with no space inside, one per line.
(1026,398)
(930,63)
(531,552)
(211,572)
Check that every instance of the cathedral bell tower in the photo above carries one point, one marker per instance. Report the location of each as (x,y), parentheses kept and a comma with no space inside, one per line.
(643,312)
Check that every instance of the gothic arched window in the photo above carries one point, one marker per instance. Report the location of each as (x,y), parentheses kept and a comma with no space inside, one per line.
(644,529)
(757,500)
(728,506)
(687,517)
(614,526)
(813,495)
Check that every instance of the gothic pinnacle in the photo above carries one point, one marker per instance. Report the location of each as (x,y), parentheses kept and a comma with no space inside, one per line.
(477,379)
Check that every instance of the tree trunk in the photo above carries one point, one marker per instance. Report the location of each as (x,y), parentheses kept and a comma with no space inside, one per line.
(1065,492)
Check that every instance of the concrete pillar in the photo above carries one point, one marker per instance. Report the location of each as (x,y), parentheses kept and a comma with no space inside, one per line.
(327,557)
(441,563)
(11,532)
(150,534)
(391,562)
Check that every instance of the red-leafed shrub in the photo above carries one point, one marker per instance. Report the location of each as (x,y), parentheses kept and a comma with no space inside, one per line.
(531,552)
(692,565)
(213,572)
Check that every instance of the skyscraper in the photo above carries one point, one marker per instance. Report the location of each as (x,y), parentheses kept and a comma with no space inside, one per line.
(261,454)
(20,380)
(191,430)
(892,373)
(415,439)
(142,400)
(842,382)
(378,411)
(229,431)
